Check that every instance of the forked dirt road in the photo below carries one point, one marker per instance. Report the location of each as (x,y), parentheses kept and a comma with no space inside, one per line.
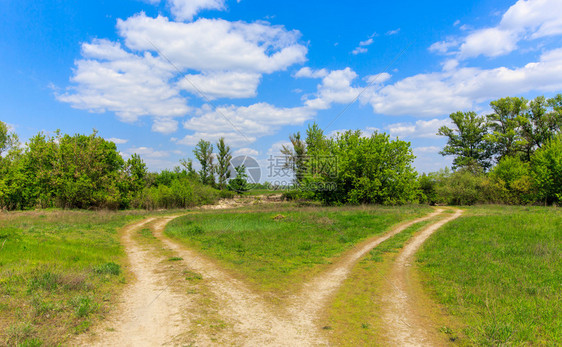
(153,310)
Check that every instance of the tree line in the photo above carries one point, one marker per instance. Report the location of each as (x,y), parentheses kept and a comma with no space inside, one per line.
(512,155)
(87,172)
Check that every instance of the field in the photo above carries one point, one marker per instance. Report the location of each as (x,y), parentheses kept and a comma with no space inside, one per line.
(499,271)
(277,248)
(493,276)
(59,270)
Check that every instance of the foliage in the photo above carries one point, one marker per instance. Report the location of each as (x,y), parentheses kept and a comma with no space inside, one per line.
(350,168)
(204,153)
(466,142)
(223,163)
(240,183)
(512,181)
(547,170)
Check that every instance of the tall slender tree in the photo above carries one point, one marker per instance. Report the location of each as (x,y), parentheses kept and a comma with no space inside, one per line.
(204,153)
(296,156)
(224,156)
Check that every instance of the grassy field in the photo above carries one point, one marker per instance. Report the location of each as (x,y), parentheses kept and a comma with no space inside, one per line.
(58,272)
(282,245)
(499,271)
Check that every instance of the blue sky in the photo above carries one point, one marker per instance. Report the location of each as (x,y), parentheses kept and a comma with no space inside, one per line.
(157,75)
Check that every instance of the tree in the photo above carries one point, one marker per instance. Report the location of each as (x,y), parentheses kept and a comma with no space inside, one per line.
(204,153)
(360,169)
(546,165)
(468,141)
(505,123)
(239,184)
(8,140)
(296,156)
(188,165)
(539,124)
(223,163)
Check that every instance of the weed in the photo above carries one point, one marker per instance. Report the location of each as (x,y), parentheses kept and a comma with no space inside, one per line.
(175,259)
(83,305)
(108,269)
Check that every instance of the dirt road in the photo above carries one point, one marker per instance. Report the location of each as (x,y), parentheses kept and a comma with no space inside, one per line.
(154,310)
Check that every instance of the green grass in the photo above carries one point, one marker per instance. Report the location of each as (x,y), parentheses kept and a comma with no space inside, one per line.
(58,271)
(354,313)
(499,270)
(280,246)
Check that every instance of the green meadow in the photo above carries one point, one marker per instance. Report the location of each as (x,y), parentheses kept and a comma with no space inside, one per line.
(498,271)
(281,246)
(59,272)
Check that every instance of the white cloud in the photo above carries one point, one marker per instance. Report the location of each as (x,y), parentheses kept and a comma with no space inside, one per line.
(117,141)
(491,42)
(138,80)
(307,72)
(393,32)
(428,159)
(379,78)
(227,84)
(359,50)
(419,129)
(111,79)
(147,152)
(164,125)
(215,44)
(335,88)
(525,20)
(242,125)
(186,9)
(246,151)
(366,42)
(441,93)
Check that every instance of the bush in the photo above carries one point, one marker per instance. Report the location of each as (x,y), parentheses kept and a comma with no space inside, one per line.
(546,166)
(462,187)
(512,182)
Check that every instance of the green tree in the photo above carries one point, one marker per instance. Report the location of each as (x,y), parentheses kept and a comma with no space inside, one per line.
(546,165)
(505,125)
(468,141)
(357,169)
(224,156)
(239,184)
(296,156)
(204,153)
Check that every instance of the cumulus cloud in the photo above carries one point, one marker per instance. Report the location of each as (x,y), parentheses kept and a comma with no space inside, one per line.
(117,141)
(221,84)
(419,129)
(525,20)
(137,79)
(335,88)
(215,44)
(110,79)
(441,93)
(307,72)
(186,9)
(246,151)
(242,124)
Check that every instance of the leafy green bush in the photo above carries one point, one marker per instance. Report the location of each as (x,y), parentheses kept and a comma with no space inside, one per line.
(512,181)
(547,171)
